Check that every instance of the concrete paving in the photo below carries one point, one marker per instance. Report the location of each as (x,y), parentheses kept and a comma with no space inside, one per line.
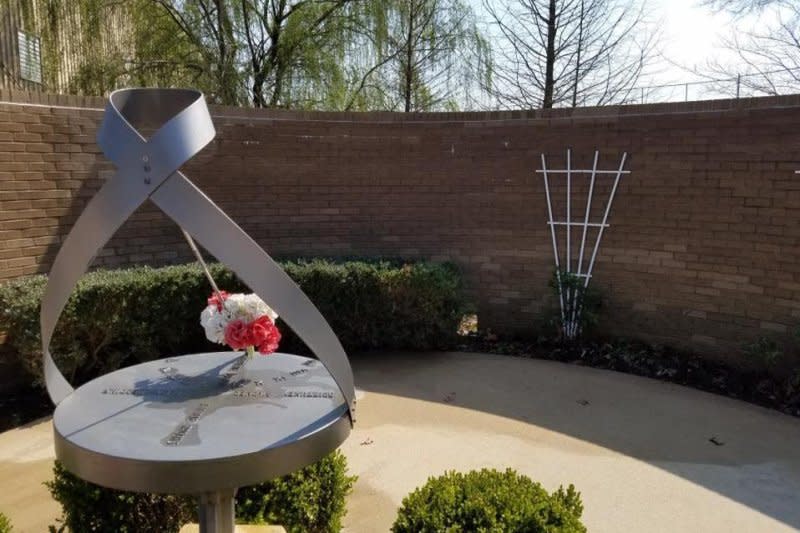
(26,462)
(637,449)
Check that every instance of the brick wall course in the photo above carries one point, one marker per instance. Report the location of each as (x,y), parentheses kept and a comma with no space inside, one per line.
(702,250)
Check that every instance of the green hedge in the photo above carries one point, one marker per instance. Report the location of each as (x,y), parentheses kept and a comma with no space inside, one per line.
(310,500)
(489,501)
(116,318)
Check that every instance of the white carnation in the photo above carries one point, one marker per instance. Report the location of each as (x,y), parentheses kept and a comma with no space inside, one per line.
(247,307)
(214,323)
(256,307)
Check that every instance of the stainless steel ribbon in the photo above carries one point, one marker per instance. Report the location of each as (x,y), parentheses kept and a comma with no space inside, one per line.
(148,169)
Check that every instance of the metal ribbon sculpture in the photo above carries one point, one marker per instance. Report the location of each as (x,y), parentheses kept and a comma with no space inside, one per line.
(148,169)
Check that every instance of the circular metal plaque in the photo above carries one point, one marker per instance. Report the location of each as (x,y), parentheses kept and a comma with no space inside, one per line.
(201,422)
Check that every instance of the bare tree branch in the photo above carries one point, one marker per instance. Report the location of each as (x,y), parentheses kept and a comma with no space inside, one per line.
(768,57)
(569,52)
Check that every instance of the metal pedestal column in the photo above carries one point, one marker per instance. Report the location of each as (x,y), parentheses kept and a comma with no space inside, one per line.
(215,511)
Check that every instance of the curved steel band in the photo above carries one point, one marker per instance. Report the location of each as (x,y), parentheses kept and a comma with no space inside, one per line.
(148,168)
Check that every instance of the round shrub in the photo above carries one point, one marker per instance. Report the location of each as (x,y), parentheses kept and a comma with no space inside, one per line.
(489,501)
(88,507)
(309,500)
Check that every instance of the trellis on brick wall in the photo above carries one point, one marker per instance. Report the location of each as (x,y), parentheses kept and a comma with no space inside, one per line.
(572,283)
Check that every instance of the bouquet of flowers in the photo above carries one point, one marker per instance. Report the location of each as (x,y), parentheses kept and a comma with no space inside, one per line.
(242,321)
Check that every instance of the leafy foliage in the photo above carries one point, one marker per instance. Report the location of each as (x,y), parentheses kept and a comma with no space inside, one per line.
(324,54)
(309,501)
(426,54)
(116,318)
(312,500)
(489,501)
(95,46)
(5,524)
(764,352)
(88,507)
(581,309)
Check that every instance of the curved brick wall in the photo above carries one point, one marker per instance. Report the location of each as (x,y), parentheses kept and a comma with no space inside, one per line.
(702,249)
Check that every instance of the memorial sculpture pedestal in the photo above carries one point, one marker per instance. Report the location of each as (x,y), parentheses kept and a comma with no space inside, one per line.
(202,424)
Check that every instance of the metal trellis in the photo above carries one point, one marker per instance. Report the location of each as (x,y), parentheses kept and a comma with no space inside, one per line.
(570,294)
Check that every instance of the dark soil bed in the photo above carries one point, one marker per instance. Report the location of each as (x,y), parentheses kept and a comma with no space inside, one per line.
(662,363)
(23,406)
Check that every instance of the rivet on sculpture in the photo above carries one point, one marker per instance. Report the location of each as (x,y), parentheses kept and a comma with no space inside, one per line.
(572,279)
(200,424)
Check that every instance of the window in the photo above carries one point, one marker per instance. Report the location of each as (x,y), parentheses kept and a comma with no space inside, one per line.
(30,57)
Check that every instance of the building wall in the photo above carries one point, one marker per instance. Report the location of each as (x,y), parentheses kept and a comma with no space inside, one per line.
(702,248)
(11,21)
(68,42)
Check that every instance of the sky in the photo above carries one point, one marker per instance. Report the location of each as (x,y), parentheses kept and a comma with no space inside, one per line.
(692,35)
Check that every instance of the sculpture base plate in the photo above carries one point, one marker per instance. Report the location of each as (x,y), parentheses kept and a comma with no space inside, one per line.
(201,423)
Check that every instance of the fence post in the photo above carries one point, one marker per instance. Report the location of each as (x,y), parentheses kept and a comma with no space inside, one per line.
(738,84)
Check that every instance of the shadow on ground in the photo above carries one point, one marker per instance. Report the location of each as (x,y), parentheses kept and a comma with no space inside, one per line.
(689,433)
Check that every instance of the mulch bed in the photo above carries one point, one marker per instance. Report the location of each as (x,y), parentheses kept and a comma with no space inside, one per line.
(23,406)
(657,362)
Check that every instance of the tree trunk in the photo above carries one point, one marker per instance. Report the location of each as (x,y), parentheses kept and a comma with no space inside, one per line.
(578,58)
(275,58)
(258,89)
(227,68)
(280,73)
(256,59)
(550,60)
(409,68)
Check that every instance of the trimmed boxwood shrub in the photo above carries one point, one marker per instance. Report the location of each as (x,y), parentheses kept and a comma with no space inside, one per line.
(87,507)
(116,318)
(310,500)
(489,501)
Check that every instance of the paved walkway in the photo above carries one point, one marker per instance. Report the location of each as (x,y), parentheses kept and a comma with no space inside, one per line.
(26,461)
(637,449)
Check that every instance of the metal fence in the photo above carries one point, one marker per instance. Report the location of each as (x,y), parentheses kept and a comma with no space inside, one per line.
(769,83)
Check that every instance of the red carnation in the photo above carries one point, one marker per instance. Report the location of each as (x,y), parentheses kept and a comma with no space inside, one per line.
(214,299)
(237,334)
(264,335)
